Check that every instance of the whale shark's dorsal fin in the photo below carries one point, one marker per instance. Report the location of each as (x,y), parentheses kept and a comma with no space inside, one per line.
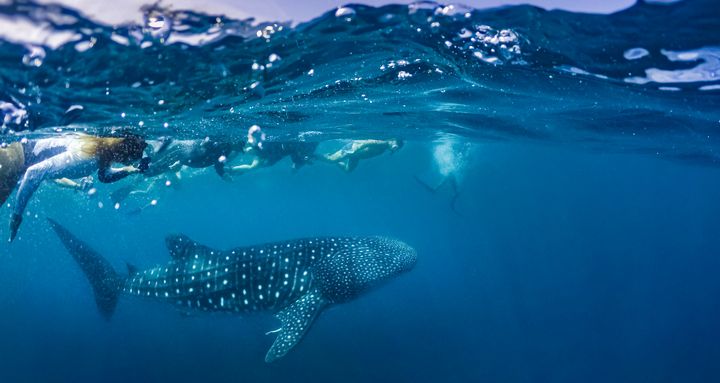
(181,246)
(296,319)
(132,269)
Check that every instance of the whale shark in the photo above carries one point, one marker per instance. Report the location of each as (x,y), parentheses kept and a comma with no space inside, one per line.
(295,280)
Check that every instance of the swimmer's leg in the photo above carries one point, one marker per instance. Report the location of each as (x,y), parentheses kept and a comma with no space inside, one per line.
(351,164)
(29,183)
(456,193)
(428,187)
(244,168)
(447,180)
(425,185)
(347,151)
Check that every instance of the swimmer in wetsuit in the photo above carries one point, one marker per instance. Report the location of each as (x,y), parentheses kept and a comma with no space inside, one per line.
(170,155)
(12,165)
(270,152)
(73,156)
(349,156)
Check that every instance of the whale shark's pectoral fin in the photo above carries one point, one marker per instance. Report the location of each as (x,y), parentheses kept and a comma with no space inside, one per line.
(296,319)
(181,246)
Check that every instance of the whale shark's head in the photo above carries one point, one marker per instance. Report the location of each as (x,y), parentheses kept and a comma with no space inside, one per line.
(361,264)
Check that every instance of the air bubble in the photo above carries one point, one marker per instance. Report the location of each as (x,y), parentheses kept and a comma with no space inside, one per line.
(635,53)
(403,75)
(34,57)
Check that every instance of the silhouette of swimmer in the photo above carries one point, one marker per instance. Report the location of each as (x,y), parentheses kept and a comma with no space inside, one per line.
(301,153)
(452,183)
(170,155)
(68,156)
(268,153)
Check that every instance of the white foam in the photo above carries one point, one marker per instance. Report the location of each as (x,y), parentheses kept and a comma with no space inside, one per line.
(707,70)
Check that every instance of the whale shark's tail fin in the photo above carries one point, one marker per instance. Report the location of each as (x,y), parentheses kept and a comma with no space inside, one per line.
(105,282)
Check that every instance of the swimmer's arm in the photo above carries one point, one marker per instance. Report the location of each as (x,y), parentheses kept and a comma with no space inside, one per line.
(84,183)
(239,169)
(176,166)
(341,154)
(334,157)
(108,174)
(67,183)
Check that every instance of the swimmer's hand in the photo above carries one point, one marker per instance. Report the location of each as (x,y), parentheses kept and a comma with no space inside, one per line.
(144,164)
(85,184)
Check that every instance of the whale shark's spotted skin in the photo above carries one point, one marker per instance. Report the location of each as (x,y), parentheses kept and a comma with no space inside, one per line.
(259,278)
(295,279)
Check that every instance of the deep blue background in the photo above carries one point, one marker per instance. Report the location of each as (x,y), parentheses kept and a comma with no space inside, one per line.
(565,266)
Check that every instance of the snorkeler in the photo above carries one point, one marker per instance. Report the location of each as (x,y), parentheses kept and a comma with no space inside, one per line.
(349,156)
(268,153)
(170,155)
(271,152)
(70,156)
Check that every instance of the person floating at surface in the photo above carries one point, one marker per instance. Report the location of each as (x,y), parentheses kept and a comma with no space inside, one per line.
(268,153)
(349,156)
(170,155)
(71,156)
(300,153)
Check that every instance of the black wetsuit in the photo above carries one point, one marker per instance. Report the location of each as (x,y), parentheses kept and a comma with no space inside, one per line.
(191,153)
(300,152)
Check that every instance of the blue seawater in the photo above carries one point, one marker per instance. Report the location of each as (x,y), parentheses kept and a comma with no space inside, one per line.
(581,244)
